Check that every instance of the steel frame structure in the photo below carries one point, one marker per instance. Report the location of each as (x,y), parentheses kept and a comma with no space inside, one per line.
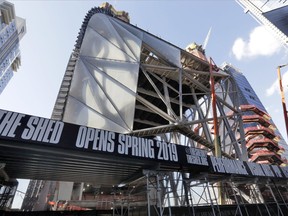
(197,195)
(171,99)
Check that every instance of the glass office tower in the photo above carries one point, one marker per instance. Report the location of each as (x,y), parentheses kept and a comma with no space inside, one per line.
(271,13)
(12,29)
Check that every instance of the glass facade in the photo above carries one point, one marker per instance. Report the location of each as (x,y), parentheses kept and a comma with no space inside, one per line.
(270,13)
(247,94)
(279,18)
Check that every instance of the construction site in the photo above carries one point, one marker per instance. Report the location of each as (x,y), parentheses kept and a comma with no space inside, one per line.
(143,127)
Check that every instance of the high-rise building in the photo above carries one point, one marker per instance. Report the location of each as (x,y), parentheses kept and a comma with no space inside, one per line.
(264,142)
(12,29)
(271,13)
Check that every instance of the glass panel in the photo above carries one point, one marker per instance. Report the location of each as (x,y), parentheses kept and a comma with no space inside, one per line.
(77,113)
(85,89)
(133,42)
(278,17)
(167,51)
(104,93)
(124,73)
(137,32)
(95,45)
(101,24)
(119,82)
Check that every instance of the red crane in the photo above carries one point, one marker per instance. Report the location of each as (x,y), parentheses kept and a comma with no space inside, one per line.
(283,97)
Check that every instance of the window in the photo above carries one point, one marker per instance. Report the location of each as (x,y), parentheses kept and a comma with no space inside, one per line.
(247,89)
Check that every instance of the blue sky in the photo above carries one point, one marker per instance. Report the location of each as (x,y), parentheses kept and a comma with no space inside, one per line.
(52,28)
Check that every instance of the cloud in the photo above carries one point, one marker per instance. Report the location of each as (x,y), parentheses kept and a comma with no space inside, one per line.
(260,43)
(275,85)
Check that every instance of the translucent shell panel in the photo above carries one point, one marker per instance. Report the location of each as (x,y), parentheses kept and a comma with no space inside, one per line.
(123,73)
(137,32)
(102,25)
(94,45)
(112,94)
(83,115)
(105,78)
(162,48)
(133,42)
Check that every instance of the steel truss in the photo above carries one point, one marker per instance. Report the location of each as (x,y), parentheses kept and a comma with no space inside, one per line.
(193,123)
(181,98)
(194,127)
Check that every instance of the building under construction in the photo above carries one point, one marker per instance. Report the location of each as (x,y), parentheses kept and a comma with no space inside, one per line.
(143,127)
